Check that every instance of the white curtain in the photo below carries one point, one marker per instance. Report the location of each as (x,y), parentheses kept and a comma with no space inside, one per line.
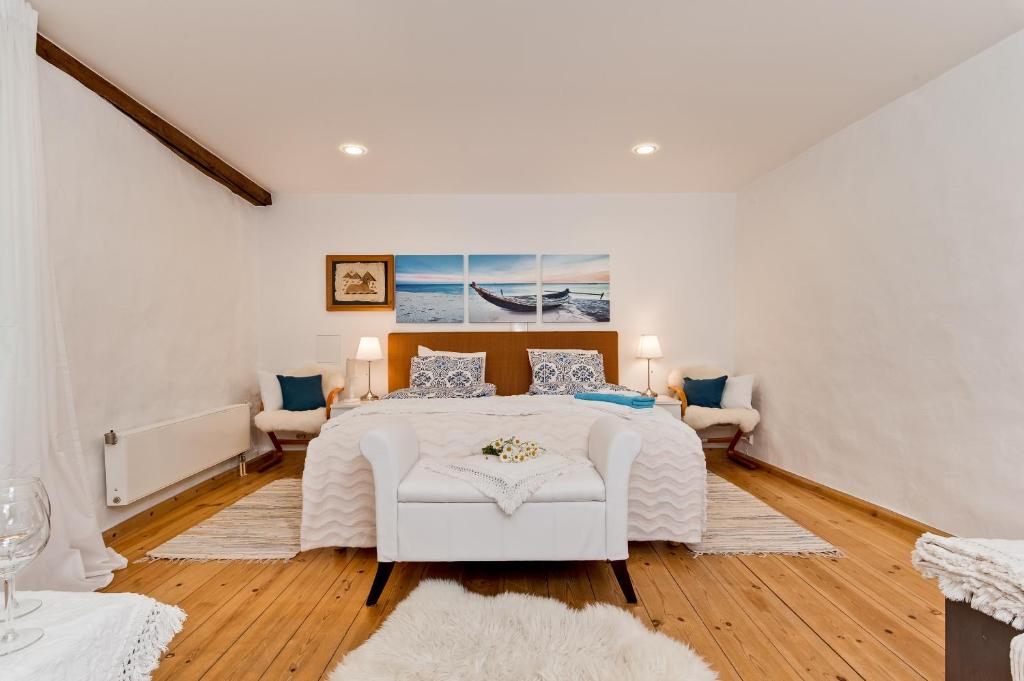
(38,431)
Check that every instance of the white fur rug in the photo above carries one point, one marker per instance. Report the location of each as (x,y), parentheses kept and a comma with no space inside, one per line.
(442,632)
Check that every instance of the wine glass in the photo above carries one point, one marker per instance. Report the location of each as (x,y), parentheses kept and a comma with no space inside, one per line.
(23,606)
(24,531)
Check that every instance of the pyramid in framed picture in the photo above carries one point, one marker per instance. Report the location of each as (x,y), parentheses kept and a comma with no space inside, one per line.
(502,288)
(360,282)
(581,284)
(429,289)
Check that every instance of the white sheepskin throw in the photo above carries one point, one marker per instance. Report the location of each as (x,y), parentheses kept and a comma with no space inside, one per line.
(301,421)
(442,632)
(700,418)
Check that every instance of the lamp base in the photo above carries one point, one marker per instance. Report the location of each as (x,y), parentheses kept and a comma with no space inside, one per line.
(649,393)
(368,397)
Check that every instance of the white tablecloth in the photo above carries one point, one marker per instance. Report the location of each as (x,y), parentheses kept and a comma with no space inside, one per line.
(93,637)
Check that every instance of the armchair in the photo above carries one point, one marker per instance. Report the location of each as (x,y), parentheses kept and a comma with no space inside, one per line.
(425,516)
(718,426)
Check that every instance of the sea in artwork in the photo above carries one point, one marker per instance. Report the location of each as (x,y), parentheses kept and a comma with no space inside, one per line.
(428,303)
(429,289)
(588,279)
(587,303)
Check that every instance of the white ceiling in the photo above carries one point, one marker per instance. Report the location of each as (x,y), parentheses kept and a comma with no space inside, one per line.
(496,96)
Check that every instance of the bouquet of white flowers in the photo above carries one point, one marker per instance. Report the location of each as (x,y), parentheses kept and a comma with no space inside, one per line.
(513,450)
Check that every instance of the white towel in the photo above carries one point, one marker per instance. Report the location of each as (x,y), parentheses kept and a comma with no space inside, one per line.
(509,484)
(987,573)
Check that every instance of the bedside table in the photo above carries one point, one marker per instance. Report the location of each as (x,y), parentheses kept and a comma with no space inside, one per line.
(345,405)
(669,404)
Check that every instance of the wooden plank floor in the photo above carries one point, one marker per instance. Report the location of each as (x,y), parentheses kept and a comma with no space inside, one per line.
(866,616)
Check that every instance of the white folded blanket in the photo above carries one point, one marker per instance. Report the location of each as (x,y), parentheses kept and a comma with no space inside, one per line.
(509,484)
(89,636)
(987,573)
(1017,658)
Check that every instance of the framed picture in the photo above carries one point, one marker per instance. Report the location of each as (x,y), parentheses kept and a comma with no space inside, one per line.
(503,288)
(429,289)
(360,282)
(584,281)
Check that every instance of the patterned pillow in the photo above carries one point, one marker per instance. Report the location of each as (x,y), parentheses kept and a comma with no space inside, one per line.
(441,372)
(573,388)
(478,390)
(554,371)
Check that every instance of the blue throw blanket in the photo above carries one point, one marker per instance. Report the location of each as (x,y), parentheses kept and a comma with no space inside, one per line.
(635,401)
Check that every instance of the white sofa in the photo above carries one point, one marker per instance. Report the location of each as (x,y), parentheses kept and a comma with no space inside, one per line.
(273,419)
(426,516)
(716,425)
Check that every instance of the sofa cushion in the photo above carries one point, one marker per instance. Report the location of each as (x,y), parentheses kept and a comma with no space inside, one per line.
(704,392)
(422,485)
(302,393)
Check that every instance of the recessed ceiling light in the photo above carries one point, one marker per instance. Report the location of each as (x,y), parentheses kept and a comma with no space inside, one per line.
(645,149)
(353,149)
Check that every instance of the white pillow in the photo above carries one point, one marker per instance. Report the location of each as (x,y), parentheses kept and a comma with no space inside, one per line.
(738,392)
(585,352)
(270,391)
(424,351)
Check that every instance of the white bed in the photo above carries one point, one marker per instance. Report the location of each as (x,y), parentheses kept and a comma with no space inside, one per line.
(668,482)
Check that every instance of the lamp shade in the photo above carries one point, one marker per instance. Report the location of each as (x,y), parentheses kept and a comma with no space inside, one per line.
(649,348)
(369,349)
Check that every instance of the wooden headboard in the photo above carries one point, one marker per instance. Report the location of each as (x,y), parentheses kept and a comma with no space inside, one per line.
(508,366)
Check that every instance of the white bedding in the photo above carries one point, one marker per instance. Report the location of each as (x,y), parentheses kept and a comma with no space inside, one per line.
(667,486)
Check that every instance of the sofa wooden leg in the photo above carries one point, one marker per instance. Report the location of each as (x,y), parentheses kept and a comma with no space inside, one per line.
(274,441)
(278,456)
(737,456)
(625,583)
(380,580)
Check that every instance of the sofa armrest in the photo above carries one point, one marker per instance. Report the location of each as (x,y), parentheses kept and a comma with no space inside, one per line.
(332,397)
(681,396)
(392,449)
(613,447)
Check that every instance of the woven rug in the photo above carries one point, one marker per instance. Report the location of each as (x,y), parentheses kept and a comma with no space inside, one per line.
(740,523)
(442,632)
(265,526)
(261,526)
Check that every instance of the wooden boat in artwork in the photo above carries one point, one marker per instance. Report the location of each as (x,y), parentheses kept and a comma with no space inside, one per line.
(522,303)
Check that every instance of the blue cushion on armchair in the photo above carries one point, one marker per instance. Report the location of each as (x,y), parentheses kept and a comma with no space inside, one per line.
(302,393)
(705,392)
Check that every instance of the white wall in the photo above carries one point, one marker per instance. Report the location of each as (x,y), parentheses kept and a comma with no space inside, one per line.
(671,265)
(880,302)
(154,267)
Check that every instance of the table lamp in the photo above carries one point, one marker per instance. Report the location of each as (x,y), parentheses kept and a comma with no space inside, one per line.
(649,349)
(369,352)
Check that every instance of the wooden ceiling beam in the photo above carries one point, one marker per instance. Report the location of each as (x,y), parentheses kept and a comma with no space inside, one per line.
(175,140)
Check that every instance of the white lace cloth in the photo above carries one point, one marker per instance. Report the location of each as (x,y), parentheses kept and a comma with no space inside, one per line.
(987,573)
(93,637)
(667,487)
(509,484)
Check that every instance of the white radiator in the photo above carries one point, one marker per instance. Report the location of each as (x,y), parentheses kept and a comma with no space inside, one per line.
(144,460)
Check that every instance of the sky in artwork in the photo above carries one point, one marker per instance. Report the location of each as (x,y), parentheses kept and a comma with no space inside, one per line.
(505,269)
(576,269)
(428,269)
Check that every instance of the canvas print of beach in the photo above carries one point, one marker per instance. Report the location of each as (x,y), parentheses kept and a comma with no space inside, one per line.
(580,284)
(502,288)
(429,289)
